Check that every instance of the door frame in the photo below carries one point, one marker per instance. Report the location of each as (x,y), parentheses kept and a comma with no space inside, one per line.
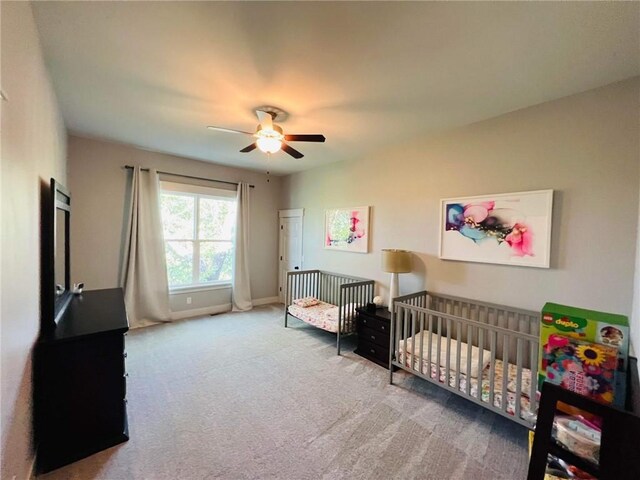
(288,213)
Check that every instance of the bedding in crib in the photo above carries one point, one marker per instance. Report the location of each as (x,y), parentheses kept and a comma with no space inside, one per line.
(512,370)
(475,352)
(322,315)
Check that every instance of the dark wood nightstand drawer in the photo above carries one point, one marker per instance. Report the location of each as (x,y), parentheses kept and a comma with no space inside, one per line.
(373,336)
(373,323)
(373,351)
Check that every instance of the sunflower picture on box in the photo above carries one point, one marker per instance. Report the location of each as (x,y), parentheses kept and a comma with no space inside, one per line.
(585,368)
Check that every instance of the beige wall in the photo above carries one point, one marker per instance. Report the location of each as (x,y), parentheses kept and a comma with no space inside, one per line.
(98,186)
(33,151)
(585,147)
(635,314)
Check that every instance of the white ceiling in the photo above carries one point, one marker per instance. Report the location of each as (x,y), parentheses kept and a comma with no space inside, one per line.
(366,75)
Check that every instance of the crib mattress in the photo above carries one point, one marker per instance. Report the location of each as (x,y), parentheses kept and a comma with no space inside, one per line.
(323,315)
(439,372)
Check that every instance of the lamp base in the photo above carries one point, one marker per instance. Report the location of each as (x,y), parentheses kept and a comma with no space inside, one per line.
(393,290)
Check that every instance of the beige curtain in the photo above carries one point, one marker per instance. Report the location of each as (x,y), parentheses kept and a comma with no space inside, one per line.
(241,293)
(145,284)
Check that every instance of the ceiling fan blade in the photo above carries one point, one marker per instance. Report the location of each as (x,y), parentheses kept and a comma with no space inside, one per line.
(291,151)
(227,130)
(295,137)
(249,148)
(266,120)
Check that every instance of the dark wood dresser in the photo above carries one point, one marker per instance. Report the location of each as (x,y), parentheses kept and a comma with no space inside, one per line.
(80,380)
(374,329)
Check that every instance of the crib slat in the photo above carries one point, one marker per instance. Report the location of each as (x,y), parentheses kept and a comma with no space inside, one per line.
(438,347)
(458,349)
(421,343)
(307,286)
(405,329)
(469,344)
(533,362)
(480,360)
(518,378)
(492,368)
(430,348)
(505,372)
(448,353)
(396,334)
(413,333)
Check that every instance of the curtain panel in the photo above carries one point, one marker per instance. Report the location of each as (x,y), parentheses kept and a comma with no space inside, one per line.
(145,283)
(241,290)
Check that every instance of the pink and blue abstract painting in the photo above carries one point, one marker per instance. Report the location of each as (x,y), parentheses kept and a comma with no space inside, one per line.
(512,229)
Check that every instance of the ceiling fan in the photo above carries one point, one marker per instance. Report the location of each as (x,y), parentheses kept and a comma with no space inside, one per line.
(270,137)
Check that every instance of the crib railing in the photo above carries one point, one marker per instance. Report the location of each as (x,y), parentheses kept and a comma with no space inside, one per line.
(345,291)
(300,284)
(508,334)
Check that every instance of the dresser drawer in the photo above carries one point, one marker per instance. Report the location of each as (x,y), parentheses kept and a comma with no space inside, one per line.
(373,336)
(373,323)
(372,350)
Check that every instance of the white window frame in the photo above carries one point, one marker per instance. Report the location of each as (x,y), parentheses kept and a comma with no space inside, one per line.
(196,192)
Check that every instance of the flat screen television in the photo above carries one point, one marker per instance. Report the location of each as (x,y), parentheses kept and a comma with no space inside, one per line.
(56,274)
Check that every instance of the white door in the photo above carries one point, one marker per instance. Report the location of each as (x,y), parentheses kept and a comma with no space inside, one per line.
(290,245)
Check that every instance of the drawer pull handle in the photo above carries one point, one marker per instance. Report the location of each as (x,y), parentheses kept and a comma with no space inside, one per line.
(373,337)
(126,375)
(372,350)
(124,354)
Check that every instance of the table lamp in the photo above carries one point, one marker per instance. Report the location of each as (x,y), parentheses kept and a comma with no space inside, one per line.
(395,262)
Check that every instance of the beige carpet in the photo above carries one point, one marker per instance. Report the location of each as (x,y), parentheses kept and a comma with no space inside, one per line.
(238,396)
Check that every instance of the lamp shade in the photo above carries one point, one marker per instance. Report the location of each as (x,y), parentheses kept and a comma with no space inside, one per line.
(396,261)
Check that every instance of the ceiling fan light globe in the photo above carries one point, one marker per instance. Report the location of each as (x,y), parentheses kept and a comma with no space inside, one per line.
(269,144)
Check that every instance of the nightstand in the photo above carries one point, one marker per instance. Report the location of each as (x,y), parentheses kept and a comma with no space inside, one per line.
(374,329)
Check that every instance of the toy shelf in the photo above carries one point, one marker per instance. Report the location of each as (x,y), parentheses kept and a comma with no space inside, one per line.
(619,440)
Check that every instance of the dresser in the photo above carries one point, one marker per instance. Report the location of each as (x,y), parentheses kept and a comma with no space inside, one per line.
(374,329)
(80,385)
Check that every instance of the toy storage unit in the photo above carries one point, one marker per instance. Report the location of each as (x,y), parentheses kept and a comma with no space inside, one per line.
(617,453)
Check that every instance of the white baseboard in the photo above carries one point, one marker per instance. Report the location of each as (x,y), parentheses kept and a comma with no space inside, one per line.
(265,301)
(199,312)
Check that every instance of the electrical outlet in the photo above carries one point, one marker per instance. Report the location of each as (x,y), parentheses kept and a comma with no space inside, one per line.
(188,300)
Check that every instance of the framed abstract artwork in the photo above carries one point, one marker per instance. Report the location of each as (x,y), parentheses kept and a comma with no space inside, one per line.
(347,229)
(506,228)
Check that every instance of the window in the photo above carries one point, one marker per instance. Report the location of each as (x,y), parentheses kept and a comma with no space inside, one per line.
(199,225)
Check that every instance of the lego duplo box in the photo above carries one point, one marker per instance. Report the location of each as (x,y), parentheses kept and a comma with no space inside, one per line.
(588,325)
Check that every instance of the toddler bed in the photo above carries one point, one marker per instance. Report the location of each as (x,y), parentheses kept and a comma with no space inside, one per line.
(335,296)
(484,352)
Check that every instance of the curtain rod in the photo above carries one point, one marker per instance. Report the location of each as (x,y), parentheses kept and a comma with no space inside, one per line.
(130,167)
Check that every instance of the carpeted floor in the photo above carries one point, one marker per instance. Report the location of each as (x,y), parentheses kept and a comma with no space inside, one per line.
(238,396)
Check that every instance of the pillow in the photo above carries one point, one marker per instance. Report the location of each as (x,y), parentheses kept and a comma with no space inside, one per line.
(306,302)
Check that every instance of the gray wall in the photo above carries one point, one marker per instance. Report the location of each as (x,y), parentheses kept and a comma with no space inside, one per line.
(98,186)
(33,151)
(585,147)
(635,314)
